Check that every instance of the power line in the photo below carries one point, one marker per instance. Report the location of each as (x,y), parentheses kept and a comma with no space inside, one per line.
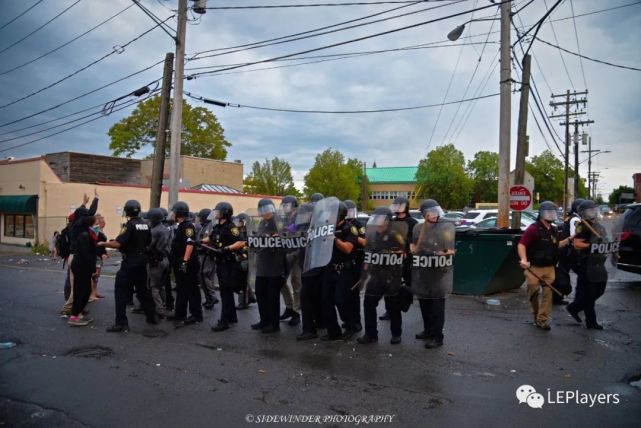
(395,30)
(156,19)
(62,131)
(290,39)
(86,94)
(565,67)
(284,6)
(288,110)
(116,49)
(66,43)
(39,28)
(17,17)
(578,46)
(589,58)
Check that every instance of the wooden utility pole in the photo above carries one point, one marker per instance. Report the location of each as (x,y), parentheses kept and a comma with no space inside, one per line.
(505,120)
(161,134)
(521,142)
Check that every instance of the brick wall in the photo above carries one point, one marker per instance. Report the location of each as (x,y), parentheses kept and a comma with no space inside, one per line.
(86,168)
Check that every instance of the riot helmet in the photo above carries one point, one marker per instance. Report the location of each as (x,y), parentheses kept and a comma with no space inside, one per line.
(222,210)
(266,207)
(430,209)
(304,215)
(342,212)
(316,197)
(132,208)
(180,209)
(352,211)
(547,211)
(155,216)
(400,205)
(203,215)
(288,204)
(381,217)
(588,210)
(574,209)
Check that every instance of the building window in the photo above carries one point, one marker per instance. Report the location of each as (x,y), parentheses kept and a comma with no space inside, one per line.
(18,226)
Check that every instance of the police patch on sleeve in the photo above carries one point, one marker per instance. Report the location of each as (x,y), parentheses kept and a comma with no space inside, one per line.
(235,231)
(354,230)
(362,230)
(189,232)
(579,228)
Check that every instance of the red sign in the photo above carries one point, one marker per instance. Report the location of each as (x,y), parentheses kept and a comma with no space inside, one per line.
(520,198)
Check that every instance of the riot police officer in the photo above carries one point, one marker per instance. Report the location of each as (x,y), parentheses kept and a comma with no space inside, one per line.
(270,267)
(567,255)
(594,245)
(316,197)
(169,224)
(338,280)
(206,260)
(538,250)
(225,241)
(186,267)
(158,251)
(246,294)
(133,240)
(433,247)
(291,297)
(355,292)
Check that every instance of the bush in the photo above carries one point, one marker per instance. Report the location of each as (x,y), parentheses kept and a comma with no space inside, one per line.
(40,249)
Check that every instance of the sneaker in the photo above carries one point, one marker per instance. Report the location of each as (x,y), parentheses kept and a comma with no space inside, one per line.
(65,314)
(395,340)
(365,339)
(75,321)
(295,319)
(432,344)
(574,315)
(118,328)
(306,335)
(422,335)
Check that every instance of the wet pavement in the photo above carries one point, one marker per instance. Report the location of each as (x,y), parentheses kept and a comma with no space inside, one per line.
(161,376)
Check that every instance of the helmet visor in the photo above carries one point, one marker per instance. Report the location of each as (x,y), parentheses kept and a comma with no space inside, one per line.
(287,207)
(238,222)
(378,220)
(352,213)
(590,213)
(214,215)
(436,211)
(266,209)
(398,208)
(303,218)
(548,215)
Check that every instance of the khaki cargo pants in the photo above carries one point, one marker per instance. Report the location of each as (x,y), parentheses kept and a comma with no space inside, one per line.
(541,302)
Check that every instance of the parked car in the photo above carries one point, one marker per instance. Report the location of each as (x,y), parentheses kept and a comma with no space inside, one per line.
(453,216)
(630,248)
(606,211)
(490,223)
(474,216)
(417,215)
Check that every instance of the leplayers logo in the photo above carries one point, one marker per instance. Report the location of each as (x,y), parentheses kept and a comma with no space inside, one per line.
(527,394)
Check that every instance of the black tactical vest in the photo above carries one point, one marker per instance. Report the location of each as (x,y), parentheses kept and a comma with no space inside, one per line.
(544,251)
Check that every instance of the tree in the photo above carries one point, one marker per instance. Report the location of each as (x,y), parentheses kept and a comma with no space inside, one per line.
(442,176)
(202,135)
(272,177)
(615,196)
(484,172)
(331,175)
(548,175)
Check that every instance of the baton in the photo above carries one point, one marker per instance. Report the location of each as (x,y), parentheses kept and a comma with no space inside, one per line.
(544,283)
(592,229)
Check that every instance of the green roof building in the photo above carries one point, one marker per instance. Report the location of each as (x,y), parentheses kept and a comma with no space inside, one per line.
(388,183)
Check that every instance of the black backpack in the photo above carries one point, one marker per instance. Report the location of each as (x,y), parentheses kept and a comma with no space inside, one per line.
(63,243)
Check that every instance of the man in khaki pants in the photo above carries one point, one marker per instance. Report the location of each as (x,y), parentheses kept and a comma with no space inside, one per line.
(539,253)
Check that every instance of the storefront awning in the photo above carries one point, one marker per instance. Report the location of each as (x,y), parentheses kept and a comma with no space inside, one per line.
(12,204)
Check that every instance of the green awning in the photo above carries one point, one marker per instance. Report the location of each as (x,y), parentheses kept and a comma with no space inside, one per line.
(12,204)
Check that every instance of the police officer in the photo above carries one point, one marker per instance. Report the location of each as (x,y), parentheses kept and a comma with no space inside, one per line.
(270,270)
(225,241)
(158,268)
(246,294)
(567,254)
(538,250)
(355,292)
(206,260)
(133,240)
(169,224)
(337,282)
(316,197)
(401,209)
(186,268)
(592,275)
(291,297)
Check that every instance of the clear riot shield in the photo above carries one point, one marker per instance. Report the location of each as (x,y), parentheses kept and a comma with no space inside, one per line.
(320,236)
(603,253)
(432,270)
(266,256)
(382,268)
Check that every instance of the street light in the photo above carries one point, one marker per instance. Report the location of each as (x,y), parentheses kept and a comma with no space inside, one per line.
(456,33)
(596,152)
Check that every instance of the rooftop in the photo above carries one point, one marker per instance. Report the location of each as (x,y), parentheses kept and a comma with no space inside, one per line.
(392,174)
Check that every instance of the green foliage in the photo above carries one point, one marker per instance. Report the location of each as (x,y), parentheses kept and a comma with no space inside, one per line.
(273,177)
(41,249)
(442,176)
(331,175)
(484,173)
(616,194)
(202,136)
(548,175)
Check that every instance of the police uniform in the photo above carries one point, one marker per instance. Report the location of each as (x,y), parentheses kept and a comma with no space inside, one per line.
(271,262)
(207,267)
(355,294)
(542,249)
(589,287)
(134,238)
(187,290)
(222,236)
(407,263)
(337,283)
(159,265)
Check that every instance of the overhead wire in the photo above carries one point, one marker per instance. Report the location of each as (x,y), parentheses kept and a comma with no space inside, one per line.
(303,5)
(20,14)
(40,27)
(565,67)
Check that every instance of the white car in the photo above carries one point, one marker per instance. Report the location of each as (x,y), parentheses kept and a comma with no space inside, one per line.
(475,216)
(490,223)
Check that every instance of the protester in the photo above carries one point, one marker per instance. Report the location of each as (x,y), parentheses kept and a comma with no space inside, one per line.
(83,267)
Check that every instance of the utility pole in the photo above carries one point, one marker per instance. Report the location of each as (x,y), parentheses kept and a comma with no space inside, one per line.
(177,107)
(576,153)
(505,119)
(161,134)
(570,100)
(522,143)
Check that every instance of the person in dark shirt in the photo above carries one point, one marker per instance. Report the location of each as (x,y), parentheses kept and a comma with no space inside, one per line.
(83,267)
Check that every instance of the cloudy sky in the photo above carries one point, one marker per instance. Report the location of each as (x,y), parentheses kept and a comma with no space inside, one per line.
(439,71)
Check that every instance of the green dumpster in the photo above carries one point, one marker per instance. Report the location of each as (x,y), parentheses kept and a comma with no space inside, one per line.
(486,261)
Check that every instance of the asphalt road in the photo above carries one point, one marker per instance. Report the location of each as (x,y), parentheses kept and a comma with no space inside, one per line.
(163,377)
